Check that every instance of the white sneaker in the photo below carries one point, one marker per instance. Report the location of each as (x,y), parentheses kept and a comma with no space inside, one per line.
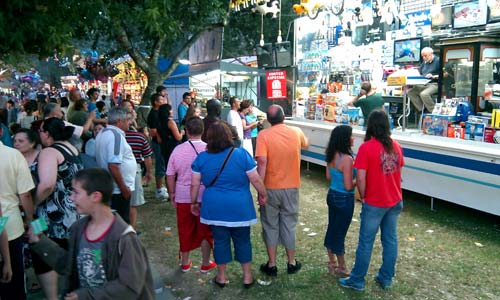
(162,194)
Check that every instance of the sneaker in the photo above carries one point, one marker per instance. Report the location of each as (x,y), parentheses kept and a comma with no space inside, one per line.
(344,282)
(269,271)
(161,194)
(292,269)
(381,284)
(211,265)
(185,268)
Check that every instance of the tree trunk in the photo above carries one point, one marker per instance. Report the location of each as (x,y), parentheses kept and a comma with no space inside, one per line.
(154,79)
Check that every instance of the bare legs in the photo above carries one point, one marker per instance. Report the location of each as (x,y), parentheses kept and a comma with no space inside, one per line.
(336,264)
(48,281)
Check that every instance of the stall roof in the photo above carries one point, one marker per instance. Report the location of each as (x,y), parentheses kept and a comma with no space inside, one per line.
(231,68)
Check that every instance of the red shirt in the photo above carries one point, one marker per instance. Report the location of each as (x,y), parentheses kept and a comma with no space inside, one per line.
(383,173)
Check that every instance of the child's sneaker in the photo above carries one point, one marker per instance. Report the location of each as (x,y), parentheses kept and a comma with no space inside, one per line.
(185,268)
(211,265)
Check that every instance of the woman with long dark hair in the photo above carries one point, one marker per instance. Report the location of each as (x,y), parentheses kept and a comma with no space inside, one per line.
(58,163)
(340,198)
(378,163)
(170,134)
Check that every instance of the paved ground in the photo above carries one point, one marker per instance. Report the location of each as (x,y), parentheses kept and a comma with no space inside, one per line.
(161,292)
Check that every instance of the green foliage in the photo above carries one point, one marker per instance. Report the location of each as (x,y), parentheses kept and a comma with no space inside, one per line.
(31,27)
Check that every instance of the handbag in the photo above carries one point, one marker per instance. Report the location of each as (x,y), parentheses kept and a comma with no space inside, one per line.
(221,168)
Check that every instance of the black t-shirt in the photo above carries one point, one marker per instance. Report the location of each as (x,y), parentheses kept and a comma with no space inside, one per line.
(153,121)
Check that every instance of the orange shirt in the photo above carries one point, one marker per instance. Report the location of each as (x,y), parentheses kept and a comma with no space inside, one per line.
(281,145)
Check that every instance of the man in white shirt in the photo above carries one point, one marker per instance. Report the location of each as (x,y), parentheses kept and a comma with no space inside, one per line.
(234,119)
(114,154)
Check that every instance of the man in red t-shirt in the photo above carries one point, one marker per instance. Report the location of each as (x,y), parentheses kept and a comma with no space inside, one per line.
(379,162)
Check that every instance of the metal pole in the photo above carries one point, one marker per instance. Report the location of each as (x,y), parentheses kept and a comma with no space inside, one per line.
(405,99)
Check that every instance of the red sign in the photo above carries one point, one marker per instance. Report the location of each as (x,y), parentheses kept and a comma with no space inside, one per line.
(276,85)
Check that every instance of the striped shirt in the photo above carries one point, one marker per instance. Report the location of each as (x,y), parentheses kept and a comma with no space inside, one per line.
(139,144)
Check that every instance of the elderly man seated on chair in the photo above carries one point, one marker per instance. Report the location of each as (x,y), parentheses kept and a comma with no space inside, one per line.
(421,95)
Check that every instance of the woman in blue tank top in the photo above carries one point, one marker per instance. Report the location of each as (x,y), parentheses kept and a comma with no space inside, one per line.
(340,199)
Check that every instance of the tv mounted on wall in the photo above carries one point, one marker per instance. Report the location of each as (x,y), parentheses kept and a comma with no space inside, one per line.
(470,14)
(444,19)
(407,51)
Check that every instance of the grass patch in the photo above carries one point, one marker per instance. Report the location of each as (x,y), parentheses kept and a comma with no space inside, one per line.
(450,253)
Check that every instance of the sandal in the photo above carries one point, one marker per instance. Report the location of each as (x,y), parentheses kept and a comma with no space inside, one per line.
(35,287)
(332,267)
(220,284)
(341,272)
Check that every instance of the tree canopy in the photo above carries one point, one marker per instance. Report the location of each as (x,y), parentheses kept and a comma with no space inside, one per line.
(146,30)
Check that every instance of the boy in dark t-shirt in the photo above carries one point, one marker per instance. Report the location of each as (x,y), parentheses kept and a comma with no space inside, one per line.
(101,236)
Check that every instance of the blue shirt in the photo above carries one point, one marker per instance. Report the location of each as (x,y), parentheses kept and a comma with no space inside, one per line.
(337,178)
(181,112)
(228,202)
(250,119)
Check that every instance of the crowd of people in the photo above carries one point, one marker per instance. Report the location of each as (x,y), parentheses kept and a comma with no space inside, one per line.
(80,167)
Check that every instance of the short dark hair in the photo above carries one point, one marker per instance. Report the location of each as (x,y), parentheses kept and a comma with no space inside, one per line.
(214,107)
(232,100)
(96,180)
(219,137)
(366,86)
(275,114)
(194,126)
(91,91)
(155,98)
(186,94)
(64,102)
(79,104)
(160,88)
(31,134)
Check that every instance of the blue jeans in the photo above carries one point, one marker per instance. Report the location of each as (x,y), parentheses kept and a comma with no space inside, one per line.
(222,244)
(372,218)
(340,210)
(159,161)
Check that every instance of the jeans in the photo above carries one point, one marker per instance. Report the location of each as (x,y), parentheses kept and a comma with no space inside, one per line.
(340,210)
(159,160)
(222,244)
(372,218)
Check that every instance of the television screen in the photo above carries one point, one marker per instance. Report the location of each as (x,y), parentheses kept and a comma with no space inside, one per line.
(444,19)
(494,15)
(470,14)
(407,51)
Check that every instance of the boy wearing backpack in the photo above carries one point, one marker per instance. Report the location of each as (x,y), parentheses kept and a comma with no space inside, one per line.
(105,260)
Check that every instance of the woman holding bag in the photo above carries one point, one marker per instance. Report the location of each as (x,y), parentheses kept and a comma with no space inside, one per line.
(227,202)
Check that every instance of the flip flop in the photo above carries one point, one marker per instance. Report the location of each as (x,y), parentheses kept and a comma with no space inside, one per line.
(248,285)
(220,284)
(342,272)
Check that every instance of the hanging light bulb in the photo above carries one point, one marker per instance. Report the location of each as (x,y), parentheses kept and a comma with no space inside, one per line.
(261,40)
(279,39)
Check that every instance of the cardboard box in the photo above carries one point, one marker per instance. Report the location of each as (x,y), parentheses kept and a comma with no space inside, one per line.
(489,132)
(474,131)
(456,131)
(436,124)
(495,118)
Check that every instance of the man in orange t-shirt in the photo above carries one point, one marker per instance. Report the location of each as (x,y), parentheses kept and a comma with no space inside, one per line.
(278,163)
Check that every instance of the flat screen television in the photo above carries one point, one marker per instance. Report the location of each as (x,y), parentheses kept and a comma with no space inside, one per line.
(407,51)
(444,19)
(494,15)
(470,14)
